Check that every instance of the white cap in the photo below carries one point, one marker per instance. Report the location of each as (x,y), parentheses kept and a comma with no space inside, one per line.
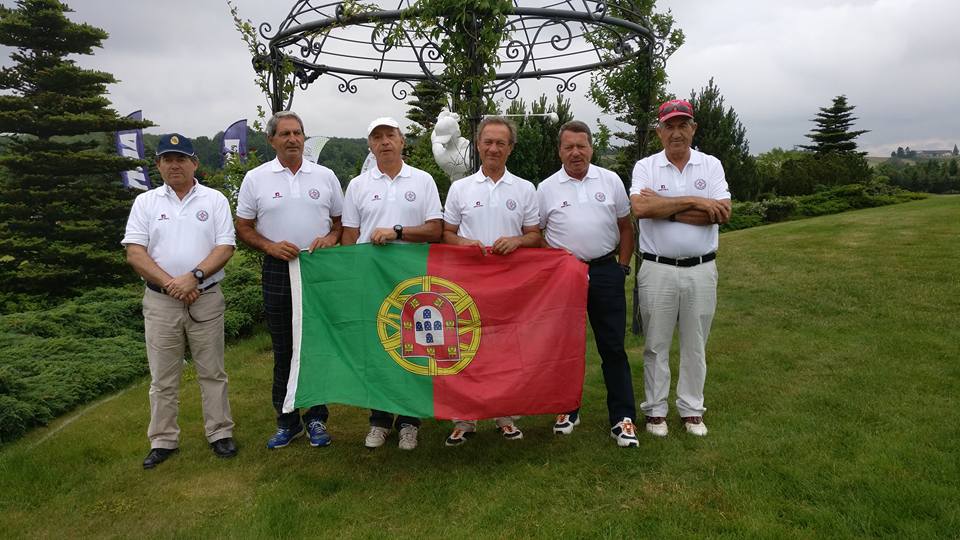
(382,121)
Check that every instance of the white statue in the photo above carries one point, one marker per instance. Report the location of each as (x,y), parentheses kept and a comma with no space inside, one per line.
(450,150)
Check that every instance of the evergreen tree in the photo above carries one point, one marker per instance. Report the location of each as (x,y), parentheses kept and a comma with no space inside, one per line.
(832,132)
(62,205)
(535,155)
(428,100)
(956,151)
(720,134)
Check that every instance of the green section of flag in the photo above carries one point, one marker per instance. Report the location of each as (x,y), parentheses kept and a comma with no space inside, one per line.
(342,290)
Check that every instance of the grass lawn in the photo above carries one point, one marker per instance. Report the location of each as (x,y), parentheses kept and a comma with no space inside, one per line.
(832,394)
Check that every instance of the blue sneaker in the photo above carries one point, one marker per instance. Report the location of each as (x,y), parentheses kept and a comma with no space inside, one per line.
(318,434)
(283,437)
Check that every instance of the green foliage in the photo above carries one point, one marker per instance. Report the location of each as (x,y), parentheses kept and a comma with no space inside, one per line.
(631,91)
(929,176)
(54,359)
(812,172)
(769,164)
(535,156)
(428,100)
(62,205)
(829,201)
(277,90)
(832,132)
(344,157)
(720,134)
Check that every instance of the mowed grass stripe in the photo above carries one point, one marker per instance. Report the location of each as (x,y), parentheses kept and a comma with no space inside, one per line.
(831,393)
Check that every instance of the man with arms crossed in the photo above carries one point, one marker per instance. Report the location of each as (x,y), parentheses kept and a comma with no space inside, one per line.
(391,202)
(285,206)
(680,196)
(584,209)
(492,208)
(178,238)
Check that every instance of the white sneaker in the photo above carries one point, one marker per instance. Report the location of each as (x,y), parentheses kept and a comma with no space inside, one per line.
(657,425)
(509,430)
(625,434)
(695,425)
(565,423)
(376,437)
(462,429)
(408,437)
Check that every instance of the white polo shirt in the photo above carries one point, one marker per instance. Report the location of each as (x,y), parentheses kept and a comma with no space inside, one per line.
(486,210)
(375,200)
(581,215)
(293,207)
(179,234)
(701,177)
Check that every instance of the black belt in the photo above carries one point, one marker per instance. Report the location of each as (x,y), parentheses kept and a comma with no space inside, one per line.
(156,288)
(689,261)
(612,256)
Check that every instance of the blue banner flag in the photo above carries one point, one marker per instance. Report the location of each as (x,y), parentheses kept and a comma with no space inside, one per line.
(130,145)
(235,140)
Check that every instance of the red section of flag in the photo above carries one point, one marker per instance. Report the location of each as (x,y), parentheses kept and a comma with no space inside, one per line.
(532,306)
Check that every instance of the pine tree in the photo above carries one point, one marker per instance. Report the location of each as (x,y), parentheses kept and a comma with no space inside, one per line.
(428,100)
(832,133)
(62,205)
(720,134)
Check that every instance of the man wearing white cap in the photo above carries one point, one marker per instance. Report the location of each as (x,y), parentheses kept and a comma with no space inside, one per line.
(179,237)
(286,206)
(391,202)
(680,196)
(492,209)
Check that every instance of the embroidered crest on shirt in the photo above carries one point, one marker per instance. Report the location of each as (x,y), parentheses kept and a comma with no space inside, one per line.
(511,204)
(277,195)
(202,215)
(564,204)
(410,196)
(478,204)
(376,197)
(600,196)
(314,193)
(700,184)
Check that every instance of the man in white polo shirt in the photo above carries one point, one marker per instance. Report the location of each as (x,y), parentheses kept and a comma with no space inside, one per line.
(391,202)
(286,206)
(178,238)
(584,210)
(492,209)
(680,196)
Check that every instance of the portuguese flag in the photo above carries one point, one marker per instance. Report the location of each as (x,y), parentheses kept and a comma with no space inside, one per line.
(433,330)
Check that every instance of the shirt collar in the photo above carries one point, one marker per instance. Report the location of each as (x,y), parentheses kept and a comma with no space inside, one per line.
(305,165)
(592,172)
(169,192)
(377,174)
(661,158)
(507,178)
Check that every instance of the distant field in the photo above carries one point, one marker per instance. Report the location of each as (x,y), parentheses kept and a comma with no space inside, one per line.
(832,413)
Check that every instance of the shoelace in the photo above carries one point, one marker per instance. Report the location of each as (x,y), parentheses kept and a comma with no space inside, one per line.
(408,435)
(316,424)
(563,419)
(627,429)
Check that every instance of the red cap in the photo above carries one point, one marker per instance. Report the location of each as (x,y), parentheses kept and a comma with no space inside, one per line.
(675,107)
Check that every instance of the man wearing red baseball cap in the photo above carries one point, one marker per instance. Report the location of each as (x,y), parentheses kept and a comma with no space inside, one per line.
(680,196)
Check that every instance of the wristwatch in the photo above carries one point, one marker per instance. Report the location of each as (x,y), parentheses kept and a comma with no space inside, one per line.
(399,230)
(198,273)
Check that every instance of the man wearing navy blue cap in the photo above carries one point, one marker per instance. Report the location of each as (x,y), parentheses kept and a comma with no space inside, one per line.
(179,236)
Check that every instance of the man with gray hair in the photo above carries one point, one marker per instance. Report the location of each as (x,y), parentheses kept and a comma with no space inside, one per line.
(494,210)
(285,206)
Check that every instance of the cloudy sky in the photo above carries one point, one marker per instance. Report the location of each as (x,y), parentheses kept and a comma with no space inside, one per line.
(775,62)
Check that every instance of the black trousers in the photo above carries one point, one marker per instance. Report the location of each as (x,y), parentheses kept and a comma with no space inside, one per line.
(385,420)
(607,309)
(279,310)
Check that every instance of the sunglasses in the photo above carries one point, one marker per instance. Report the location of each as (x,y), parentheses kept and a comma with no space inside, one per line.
(675,107)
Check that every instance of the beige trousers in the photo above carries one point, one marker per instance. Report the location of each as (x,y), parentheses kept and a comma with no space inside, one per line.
(672,297)
(169,328)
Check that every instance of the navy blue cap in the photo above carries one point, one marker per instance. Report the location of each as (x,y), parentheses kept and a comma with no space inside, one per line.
(175,142)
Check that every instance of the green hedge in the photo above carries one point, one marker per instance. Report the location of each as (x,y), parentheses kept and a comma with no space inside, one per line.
(828,201)
(56,359)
